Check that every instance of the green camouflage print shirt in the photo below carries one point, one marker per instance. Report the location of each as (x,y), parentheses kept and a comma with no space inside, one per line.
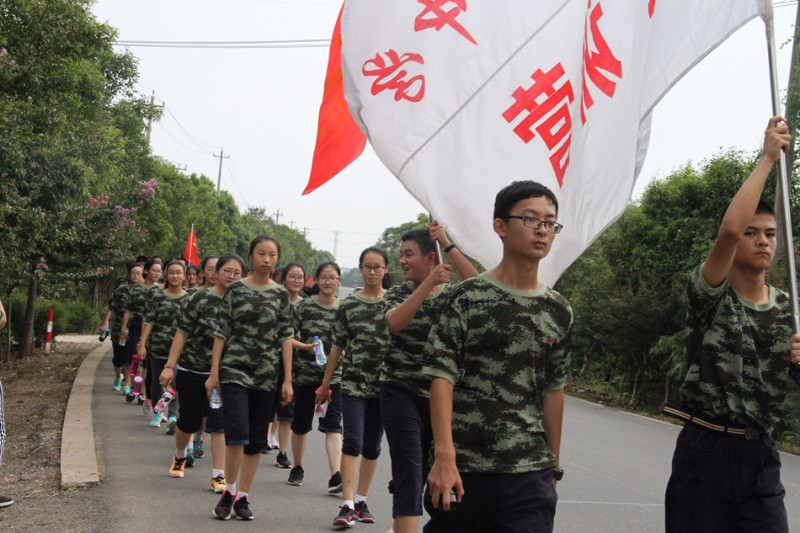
(312,318)
(162,315)
(502,349)
(197,323)
(738,354)
(139,299)
(361,333)
(254,321)
(117,305)
(402,365)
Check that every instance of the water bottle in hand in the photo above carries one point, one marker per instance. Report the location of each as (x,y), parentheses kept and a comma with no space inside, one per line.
(319,351)
(215,401)
(163,402)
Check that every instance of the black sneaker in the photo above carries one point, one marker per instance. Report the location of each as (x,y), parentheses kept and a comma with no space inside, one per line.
(224,508)
(282,460)
(363,514)
(345,518)
(242,510)
(296,476)
(5,501)
(335,483)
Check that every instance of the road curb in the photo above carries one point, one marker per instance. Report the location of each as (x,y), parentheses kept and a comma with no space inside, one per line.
(79,464)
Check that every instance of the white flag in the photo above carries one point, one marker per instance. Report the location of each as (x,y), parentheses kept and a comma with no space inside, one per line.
(461,97)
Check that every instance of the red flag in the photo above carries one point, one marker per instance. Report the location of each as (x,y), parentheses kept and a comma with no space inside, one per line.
(190,253)
(339,141)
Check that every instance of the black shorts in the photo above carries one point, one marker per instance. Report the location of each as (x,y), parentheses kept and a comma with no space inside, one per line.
(119,358)
(363,427)
(304,396)
(513,503)
(191,388)
(247,417)
(722,483)
(407,421)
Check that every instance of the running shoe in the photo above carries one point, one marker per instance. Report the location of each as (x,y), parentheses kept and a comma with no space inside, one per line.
(140,399)
(176,470)
(218,484)
(147,409)
(155,421)
(130,397)
(345,518)
(335,483)
(126,390)
(198,446)
(171,423)
(241,509)
(224,507)
(363,514)
(189,460)
(272,440)
(282,460)
(117,384)
(5,501)
(296,476)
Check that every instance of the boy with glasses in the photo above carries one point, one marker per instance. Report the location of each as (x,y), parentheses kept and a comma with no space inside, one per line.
(498,359)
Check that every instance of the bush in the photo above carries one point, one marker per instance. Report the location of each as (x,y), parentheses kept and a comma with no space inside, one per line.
(80,318)
(43,306)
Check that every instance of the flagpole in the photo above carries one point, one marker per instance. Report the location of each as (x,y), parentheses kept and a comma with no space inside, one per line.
(782,188)
(439,256)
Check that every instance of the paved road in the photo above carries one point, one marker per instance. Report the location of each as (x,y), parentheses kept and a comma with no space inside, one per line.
(617,467)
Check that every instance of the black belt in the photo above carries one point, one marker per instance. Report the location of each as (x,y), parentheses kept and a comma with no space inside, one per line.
(706,422)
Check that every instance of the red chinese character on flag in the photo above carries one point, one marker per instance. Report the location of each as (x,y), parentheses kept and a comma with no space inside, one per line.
(390,75)
(440,17)
(548,115)
(597,61)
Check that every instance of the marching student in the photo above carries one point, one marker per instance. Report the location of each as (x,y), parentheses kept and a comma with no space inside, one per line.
(498,356)
(115,311)
(160,321)
(189,365)
(726,469)
(360,339)
(412,307)
(314,317)
(253,333)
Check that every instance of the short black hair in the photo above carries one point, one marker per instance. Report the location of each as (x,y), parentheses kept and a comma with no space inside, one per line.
(520,190)
(422,238)
(763,208)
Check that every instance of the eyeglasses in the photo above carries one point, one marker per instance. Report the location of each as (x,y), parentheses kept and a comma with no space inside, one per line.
(232,273)
(373,268)
(327,281)
(294,278)
(535,223)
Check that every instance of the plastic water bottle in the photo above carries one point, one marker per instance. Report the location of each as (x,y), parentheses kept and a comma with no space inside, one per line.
(319,351)
(104,334)
(123,343)
(163,402)
(216,399)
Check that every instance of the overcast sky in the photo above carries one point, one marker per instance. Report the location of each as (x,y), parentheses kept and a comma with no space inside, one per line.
(260,106)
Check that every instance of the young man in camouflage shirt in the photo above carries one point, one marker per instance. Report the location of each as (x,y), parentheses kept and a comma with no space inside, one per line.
(498,358)
(726,470)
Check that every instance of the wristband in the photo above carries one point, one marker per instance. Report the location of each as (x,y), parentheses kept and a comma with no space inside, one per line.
(449,248)
(170,367)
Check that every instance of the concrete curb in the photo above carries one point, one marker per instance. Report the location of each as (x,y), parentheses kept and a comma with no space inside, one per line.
(79,465)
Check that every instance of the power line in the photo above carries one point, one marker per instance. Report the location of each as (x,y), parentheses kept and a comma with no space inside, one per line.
(160,125)
(290,43)
(200,144)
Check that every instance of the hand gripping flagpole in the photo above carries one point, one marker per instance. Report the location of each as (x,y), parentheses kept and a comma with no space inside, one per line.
(782,189)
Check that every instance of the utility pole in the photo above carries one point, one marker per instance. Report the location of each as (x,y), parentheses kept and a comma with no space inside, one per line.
(336,244)
(150,115)
(305,231)
(221,157)
(277,216)
(180,168)
(291,223)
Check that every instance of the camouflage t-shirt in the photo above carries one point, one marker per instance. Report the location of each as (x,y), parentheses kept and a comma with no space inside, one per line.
(162,315)
(402,365)
(502,349)
(138,301)
(311,318)
(197,322)
(738,354)
(361,333)
(254,321)
(117,305)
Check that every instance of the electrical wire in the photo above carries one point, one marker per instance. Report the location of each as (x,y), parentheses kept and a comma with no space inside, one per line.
(290,43)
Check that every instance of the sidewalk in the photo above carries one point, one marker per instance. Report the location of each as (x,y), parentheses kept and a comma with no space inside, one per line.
(133,460)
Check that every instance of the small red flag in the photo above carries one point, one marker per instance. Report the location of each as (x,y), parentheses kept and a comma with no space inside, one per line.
(190,253)
(339,141)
